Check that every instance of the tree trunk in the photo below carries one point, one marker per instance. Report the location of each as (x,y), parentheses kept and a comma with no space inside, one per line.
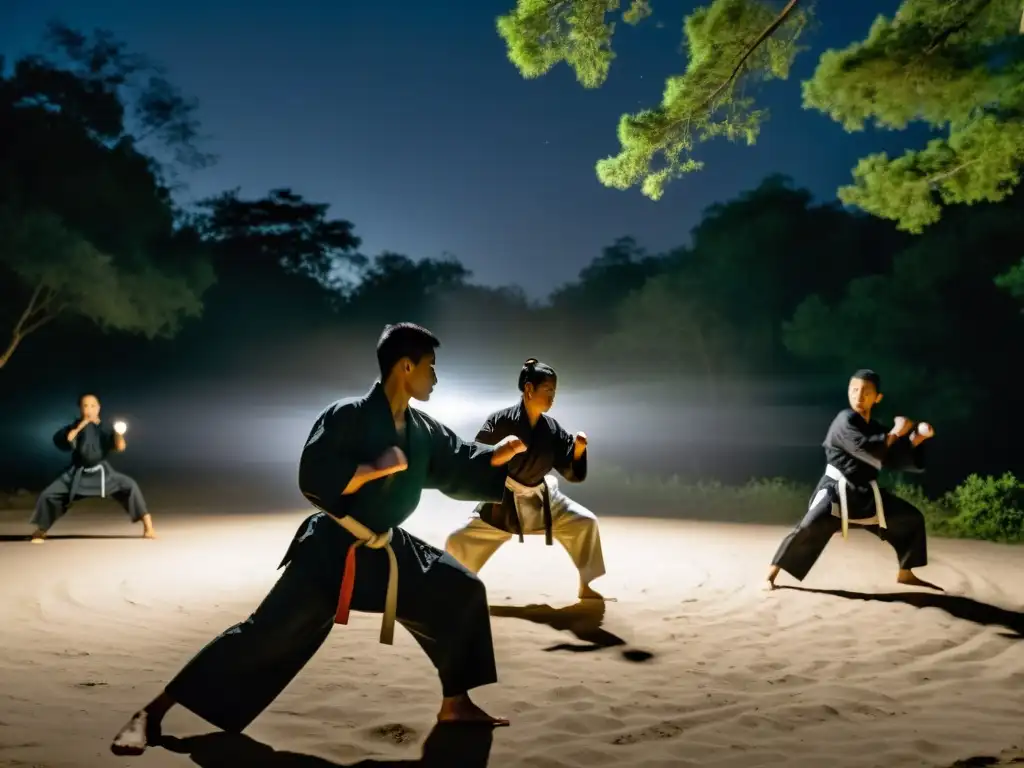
(40,310)
(13,345)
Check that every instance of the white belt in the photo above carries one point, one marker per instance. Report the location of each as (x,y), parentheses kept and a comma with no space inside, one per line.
(844,511)
(103,478)
(525,490)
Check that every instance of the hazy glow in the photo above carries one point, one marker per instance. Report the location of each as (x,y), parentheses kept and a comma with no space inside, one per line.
(120,427)
(459,407)
(261,426)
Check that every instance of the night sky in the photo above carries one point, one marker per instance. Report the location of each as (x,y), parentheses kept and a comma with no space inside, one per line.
(408,118)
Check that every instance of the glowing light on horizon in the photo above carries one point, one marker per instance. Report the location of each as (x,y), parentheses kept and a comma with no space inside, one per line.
(462,406)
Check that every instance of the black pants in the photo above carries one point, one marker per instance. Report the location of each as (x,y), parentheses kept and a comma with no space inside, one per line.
(803,546)
(236,676)
(55,499)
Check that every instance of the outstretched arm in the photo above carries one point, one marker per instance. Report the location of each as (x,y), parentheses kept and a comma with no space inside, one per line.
(464,470)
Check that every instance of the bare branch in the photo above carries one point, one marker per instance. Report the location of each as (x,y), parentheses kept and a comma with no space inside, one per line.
(19,326)
(934,180)
(768,32)
(943,36)
(43,318)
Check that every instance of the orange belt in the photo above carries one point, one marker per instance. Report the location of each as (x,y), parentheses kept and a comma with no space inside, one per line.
(364,536)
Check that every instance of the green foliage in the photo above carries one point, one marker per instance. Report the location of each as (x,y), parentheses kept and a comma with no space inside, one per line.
(956,67)
(990,508)
(621,268)
(928,319)
(708,100)
(1012,281)
(938,515)
(765,501)
(732,44)
(541,33)
(718,307)
(70,274)
(103,243)
(671,321)
(986,508)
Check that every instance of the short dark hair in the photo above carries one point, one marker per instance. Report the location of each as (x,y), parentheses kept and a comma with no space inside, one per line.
(866,374)
(535,372)
(403,340)
(87,393)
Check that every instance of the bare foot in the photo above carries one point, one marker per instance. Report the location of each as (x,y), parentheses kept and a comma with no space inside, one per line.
(139,732)
(587,592)
(461,709)
(909,578)
(773,573)
(39,537)
(149,533)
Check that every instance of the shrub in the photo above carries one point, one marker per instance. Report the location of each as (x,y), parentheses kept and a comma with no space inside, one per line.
(990,508)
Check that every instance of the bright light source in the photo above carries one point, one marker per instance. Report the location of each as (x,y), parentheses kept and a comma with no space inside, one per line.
(462,408)
(120,427)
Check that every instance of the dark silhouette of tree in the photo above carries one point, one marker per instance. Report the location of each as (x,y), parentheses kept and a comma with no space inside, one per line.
(392,285)
(621,268)
(281,231)
(934,320)
(718,306)
(86,226)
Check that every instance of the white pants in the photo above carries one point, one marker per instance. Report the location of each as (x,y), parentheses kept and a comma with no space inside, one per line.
(572,525)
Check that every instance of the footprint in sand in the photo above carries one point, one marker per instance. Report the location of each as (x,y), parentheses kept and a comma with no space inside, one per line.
(396,733)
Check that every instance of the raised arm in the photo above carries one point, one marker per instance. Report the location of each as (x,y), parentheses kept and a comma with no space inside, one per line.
(463,470)
(112,441)
(64,438)
(905,456)
(570,463)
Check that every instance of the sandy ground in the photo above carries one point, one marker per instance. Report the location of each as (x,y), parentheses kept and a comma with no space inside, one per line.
(693,666)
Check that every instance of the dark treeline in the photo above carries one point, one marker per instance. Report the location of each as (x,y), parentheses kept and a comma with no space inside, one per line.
(107,283)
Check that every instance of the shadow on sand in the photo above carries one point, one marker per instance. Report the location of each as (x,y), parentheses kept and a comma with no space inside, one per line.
(956,606)
(583,619)
(447,746)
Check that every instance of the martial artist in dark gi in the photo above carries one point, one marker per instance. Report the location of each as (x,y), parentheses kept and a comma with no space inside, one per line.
(533,503)
(364,465)
(856,450)
(89,441)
